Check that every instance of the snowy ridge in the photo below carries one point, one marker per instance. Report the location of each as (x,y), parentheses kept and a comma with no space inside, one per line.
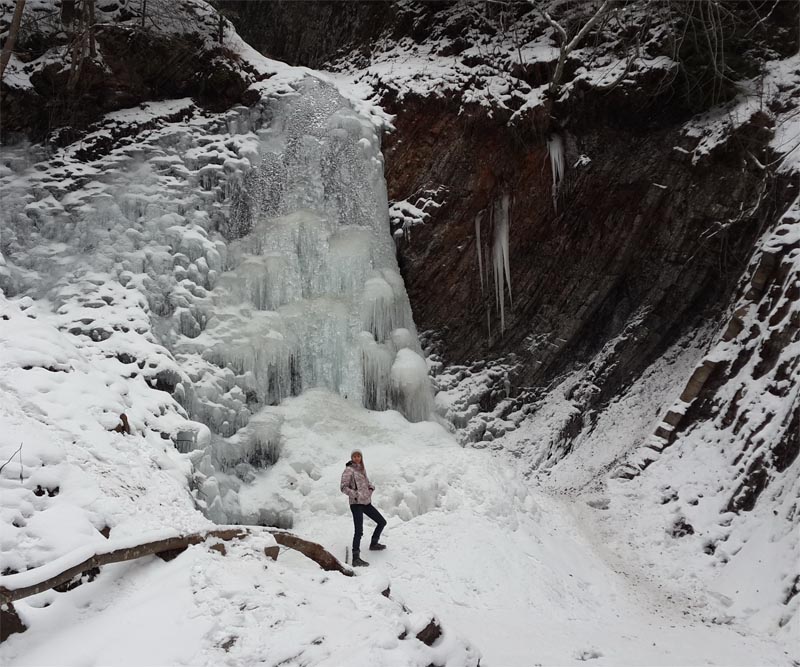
(768,102)
(72,477)
(499,59)
(751,432)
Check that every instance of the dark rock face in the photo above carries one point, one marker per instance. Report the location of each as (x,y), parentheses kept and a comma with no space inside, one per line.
(140,66)
(641,245)
(430,633)
(10,622)
(307,32)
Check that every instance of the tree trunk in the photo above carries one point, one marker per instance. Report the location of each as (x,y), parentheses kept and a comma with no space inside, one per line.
(13,31)
(90,28)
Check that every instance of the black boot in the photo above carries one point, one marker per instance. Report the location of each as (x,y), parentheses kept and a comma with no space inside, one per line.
(357,562)
(377,547)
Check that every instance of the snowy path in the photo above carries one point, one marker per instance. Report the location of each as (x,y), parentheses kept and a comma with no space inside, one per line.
(523,574)
(545,597)
(518,574)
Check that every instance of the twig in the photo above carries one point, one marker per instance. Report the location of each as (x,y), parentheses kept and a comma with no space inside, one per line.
(19,449)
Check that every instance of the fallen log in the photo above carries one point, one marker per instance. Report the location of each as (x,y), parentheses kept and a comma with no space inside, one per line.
(11,594)
(66,569)
(316,552)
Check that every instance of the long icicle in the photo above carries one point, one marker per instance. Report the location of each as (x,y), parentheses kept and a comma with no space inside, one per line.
(506,263)
(500,256)
(497,265)
(555,148)
(478,246)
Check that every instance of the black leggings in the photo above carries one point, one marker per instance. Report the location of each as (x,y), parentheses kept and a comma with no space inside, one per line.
(358,521)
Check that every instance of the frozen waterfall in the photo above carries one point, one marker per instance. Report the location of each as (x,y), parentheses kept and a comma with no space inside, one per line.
(312,295)
(231,260)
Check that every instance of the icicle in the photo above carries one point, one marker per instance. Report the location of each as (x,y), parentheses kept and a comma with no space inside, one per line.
(378,307)
(478,246)
(402,338)
(500,257)
(261,447)
(506,201)
(376,364)
(555,148)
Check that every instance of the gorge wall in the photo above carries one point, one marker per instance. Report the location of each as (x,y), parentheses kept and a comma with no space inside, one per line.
(649,234)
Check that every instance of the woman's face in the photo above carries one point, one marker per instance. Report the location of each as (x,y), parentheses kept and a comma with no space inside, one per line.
(356,458)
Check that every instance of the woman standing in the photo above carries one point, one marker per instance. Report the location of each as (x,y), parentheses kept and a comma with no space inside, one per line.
(358,488)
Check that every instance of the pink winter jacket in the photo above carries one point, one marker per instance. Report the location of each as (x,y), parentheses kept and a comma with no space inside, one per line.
(356,484)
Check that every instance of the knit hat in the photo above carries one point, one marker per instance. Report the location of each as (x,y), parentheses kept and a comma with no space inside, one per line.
(356,451)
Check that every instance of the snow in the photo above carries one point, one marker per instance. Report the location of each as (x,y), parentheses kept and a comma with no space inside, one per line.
(462,525)
(283,337)
(404,215)
(770,96)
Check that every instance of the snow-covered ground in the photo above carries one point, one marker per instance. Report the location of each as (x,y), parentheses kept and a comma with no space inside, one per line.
(514,574)
(113,262)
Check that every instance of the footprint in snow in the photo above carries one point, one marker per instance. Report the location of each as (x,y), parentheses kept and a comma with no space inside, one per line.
(588,654)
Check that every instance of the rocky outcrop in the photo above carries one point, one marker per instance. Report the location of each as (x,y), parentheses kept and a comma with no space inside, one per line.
(45,96)
(309,33)
(638,250)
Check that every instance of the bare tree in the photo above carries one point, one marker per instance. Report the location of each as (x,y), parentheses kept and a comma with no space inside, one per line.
(568,45)
(83,41)
(11,39)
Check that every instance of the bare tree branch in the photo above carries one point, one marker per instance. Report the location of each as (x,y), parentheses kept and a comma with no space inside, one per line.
(568,45)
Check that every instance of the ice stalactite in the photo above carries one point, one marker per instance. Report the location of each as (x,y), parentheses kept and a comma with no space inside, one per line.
(478,247)
(555,149)
(500,256)
(403,338)
(378,307)
(258,445)
(376,364)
